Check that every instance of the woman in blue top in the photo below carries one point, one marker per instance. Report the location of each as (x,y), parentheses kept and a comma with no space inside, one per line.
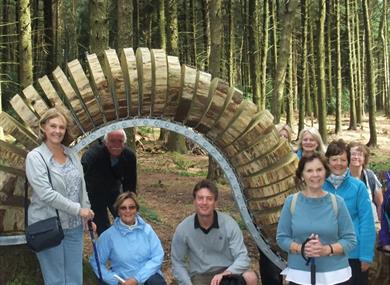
(309,141)
(322,217)
(355,196)
(132,247)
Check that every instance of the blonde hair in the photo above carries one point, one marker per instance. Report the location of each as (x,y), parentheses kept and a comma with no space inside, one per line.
(316,135)
(286,128)
(51,114)
(122,197)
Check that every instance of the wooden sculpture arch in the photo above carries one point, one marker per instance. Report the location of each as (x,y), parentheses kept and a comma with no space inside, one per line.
(149,86)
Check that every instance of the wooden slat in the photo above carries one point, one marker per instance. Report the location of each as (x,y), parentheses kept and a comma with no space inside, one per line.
(201,101)
(269,202)
(11,219)
(115,78)
(129,69)
(224,119)
(84,90)
(220,96)
(189,76)
(55,101)
(258,163)
(23,135)
(35,100)
(11,155)
(264,145)
(174,86)
(268,217)
(238,123)
(251,140)
(272,173)
(75,103)
(159,81)
(25,113)
(271,189)
(144,67)
(100,87)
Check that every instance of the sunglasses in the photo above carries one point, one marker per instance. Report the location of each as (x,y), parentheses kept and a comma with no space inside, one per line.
(124,208)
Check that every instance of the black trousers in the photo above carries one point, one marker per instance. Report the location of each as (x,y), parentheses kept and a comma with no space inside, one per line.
(99,204)
(358,276)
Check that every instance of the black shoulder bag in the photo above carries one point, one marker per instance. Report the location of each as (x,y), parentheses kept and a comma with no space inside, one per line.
(43,234)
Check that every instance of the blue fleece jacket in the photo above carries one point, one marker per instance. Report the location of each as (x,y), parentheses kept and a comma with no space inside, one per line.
(355,195)
(316,216)
(133,252)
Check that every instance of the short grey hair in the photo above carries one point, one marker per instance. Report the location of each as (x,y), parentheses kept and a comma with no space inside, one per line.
(123,132)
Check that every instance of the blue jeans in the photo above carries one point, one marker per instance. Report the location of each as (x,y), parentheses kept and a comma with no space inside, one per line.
(63,264)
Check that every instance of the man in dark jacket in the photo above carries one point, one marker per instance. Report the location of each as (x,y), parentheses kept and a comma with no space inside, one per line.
(109,169)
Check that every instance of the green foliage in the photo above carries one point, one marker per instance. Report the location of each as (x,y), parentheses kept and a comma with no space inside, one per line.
(381,166)
(180,161)
(147,213)
(145,130)
(22,280)
(193,174)
(331,102)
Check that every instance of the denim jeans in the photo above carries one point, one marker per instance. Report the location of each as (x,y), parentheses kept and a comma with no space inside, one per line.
(63,264)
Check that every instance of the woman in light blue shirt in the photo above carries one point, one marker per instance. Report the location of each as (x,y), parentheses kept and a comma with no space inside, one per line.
(321,217)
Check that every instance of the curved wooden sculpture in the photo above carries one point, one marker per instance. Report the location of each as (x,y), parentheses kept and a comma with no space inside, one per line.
(150,84)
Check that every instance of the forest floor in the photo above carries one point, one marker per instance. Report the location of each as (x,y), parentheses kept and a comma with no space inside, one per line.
(165,182)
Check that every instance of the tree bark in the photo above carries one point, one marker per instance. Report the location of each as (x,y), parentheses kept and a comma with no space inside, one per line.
(370,72)
(286,35)
(339,87)
(321,73)
(25,44)
(98,23)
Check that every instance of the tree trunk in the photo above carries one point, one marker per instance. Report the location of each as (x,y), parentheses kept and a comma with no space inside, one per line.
(206,32)
(125,23)
(264,53)
(370,72)
(231,43)
(283,55)
(216,30)
(321,73)
(352,106)
(25,50)
(98,27)
(254,54)
(302,69)
(339,87)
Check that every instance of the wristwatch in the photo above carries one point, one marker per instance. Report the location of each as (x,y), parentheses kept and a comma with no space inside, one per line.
(331,250)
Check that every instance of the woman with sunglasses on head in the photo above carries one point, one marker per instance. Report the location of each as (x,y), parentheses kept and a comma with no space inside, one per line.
(132,247)
(355,195)
(358,166)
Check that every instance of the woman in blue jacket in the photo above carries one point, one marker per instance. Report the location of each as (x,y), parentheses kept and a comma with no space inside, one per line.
(313,213)
(132,247)
(355,195)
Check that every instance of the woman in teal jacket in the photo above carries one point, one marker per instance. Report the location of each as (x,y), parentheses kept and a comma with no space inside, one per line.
(132,247)
(355,195)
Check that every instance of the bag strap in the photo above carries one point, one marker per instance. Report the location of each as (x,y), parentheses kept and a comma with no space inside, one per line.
(293,203)
(26,194)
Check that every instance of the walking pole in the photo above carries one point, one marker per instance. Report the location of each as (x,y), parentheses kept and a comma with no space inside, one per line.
(90,229)
(313,271)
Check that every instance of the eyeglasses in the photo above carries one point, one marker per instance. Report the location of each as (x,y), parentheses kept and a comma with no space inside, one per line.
(124,208)
(359,154)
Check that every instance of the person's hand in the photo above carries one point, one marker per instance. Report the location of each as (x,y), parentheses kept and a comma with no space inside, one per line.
(218,277)
(313,247)
(130,281)
(86,213)
(364,266)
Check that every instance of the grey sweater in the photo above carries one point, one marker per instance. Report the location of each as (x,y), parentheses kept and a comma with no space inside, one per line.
(194,252)
(45,199)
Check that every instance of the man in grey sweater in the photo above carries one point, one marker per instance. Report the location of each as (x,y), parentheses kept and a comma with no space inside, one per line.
(208,244)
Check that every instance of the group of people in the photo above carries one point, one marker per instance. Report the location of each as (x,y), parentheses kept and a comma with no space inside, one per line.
(333,221)
(207,247)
